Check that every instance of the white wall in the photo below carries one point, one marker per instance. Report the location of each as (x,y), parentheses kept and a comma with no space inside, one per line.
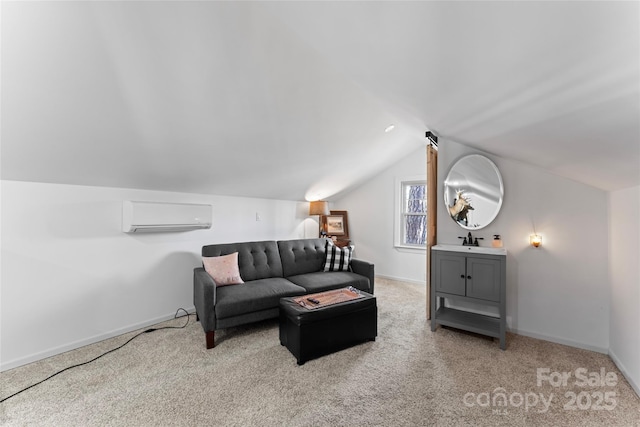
(624,274)
(558,292)
(70,277)
(371,208)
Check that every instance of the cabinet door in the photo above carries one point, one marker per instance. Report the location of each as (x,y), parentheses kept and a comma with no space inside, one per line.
(450,274)
(483,278)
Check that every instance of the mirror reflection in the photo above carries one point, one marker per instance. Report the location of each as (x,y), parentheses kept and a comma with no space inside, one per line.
(473,192)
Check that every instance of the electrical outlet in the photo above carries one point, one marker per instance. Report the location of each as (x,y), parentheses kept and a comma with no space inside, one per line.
(258,218)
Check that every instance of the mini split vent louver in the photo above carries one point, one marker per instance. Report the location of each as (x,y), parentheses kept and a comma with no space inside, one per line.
(160,217)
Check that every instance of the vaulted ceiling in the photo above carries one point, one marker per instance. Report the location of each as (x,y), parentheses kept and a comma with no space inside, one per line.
(290,100)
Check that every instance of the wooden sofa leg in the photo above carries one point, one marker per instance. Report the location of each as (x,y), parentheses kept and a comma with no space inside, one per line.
(210,339)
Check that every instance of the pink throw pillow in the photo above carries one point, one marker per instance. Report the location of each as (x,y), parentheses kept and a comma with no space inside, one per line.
(223,269)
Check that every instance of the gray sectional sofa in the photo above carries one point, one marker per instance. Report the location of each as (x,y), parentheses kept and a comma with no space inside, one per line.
(271,270)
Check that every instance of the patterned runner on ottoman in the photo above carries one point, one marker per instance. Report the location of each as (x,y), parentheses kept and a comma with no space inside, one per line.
(324,299)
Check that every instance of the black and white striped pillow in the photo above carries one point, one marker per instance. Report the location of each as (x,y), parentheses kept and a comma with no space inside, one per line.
(338,259)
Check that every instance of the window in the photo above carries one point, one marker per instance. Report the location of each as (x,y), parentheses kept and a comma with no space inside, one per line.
(413,214)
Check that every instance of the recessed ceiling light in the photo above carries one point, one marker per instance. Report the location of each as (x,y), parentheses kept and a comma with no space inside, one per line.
(389,128)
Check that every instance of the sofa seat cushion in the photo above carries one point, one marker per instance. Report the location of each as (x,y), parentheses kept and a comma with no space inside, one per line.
(323,281)
(253,296)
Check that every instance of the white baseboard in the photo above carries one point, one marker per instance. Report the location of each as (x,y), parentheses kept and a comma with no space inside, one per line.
(5,366)
(557,340)
(403,279)
(625,372)
(522,332)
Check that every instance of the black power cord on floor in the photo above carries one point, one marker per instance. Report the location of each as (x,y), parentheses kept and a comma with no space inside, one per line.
(110,351)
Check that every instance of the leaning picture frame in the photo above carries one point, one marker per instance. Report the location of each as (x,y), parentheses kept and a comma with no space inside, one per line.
(336,224)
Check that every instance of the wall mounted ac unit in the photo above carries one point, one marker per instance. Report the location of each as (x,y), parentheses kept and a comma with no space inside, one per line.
(159,217)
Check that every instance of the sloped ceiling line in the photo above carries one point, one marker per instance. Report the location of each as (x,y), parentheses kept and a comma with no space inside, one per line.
(289,100)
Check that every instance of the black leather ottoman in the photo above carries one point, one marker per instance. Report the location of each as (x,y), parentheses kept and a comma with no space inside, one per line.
(309,334)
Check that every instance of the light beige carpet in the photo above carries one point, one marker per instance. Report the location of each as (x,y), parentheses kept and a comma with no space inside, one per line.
(408,377)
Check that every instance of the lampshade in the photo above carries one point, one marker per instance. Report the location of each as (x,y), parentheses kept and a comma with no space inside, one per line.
(319,208)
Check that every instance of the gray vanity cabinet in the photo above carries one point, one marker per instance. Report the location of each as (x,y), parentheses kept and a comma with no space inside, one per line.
(473,277)
(450,273)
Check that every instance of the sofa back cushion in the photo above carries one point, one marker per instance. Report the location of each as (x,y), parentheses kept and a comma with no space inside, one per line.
(302,256)
(256,260)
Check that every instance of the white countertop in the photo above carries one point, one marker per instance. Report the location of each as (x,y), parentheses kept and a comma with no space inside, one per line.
(470,249)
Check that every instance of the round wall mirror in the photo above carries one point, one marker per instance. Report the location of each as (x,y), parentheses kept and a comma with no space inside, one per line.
(473,192)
